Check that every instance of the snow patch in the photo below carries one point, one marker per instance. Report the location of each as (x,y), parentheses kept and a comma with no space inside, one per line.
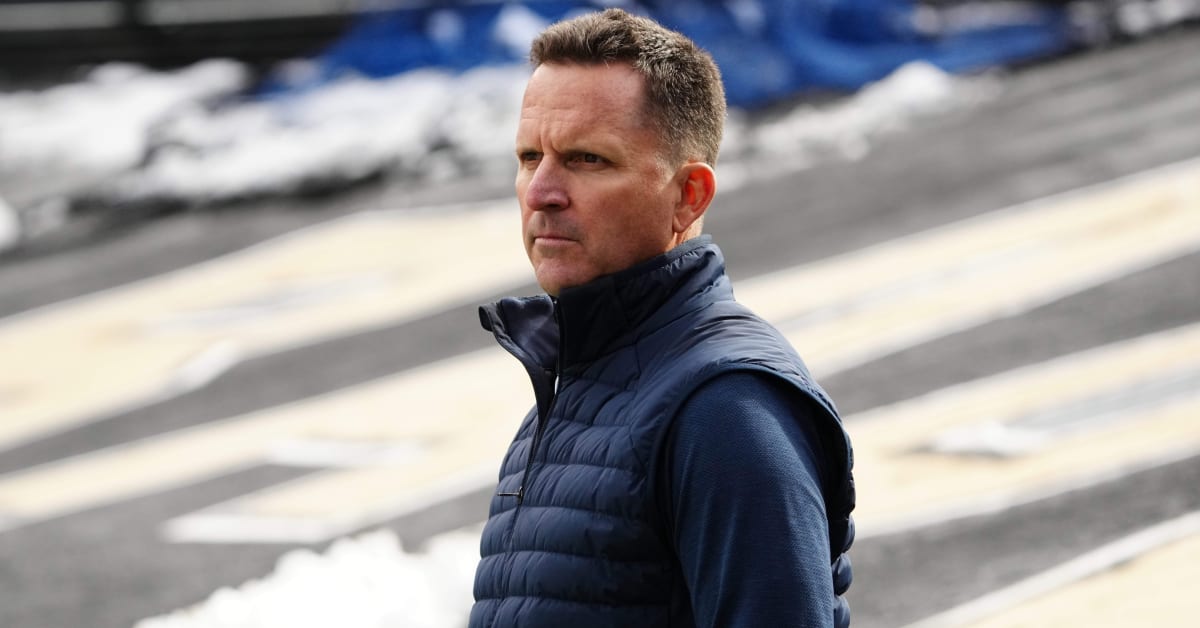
(345,132)
(916,91)
(847,129)
(367,582)
(183,138)
(103,123)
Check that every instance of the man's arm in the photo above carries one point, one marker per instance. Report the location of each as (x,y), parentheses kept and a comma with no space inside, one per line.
(743,494)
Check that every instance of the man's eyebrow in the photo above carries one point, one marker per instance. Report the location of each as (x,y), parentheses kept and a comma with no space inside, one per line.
(593,144)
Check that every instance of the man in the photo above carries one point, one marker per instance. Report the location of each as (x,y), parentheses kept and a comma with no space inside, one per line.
(680,467)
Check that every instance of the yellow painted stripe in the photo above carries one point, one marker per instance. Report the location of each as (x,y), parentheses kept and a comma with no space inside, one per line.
(900,480)
(1157,589)
(896,482)
(94,355)
(1128,568)
(428,407)
(849,309)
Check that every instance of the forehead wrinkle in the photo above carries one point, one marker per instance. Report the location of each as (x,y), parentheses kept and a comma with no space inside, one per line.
(571,127)
(568,96)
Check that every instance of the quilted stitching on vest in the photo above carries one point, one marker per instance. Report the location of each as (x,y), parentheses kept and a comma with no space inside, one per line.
(583,545)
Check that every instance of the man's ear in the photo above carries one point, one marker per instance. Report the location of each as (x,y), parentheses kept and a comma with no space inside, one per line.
(699,185)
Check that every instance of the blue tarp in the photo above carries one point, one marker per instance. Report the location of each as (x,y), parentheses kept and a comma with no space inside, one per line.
(767,50)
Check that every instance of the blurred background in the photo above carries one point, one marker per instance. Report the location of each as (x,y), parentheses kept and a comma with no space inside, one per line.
(242,245)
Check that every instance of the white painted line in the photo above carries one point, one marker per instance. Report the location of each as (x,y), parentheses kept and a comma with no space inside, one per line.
(228,523)
(1032,207)
(1025,435)
(177,332)
(1001,501)
(327,453)
(904,484)
(218,527)
(464,210)
(847,310)
(202,369)
(272,301)
(421,405)
(1092,563)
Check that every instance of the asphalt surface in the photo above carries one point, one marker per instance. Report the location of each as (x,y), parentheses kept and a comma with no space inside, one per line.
(1055,127)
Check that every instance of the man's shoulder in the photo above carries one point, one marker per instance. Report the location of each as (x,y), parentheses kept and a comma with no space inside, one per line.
(726,326)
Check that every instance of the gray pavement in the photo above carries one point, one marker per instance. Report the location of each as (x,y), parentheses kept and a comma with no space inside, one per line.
(1056,127)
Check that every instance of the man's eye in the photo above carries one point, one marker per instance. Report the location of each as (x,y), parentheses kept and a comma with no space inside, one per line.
(528,156)
(589,158)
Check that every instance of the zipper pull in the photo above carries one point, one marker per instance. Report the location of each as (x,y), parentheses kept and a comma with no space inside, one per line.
(519,494)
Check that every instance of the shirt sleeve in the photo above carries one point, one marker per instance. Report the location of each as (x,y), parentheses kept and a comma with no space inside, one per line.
(743,475)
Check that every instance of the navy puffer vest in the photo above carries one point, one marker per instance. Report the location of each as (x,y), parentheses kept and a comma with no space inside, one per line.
(575,537)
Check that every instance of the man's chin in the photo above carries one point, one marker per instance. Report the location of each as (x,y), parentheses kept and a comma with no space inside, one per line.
(552,287)
(554,282)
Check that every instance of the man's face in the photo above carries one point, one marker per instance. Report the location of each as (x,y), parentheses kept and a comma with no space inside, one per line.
(596,195)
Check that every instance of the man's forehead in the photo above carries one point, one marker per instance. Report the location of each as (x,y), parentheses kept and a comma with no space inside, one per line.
(614,90)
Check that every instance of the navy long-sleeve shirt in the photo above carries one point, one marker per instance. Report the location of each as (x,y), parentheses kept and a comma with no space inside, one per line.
(745,467)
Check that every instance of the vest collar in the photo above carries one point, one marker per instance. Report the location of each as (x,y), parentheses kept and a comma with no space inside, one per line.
(588,321)
(605,314)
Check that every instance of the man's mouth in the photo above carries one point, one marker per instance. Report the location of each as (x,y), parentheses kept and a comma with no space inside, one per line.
(552,238)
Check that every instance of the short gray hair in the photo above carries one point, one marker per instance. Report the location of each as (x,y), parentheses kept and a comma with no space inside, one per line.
(684,97)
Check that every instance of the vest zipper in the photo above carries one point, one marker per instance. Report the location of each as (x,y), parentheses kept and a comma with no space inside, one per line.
(533,447)
(539,430)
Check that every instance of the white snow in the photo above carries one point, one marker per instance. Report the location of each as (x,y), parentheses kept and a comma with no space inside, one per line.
(105,122)
(363,582)
(846,129)
(192,136)
(344,132)
(181,136)
(915,91)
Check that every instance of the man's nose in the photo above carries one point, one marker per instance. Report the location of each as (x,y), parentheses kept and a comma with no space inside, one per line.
(547,189)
